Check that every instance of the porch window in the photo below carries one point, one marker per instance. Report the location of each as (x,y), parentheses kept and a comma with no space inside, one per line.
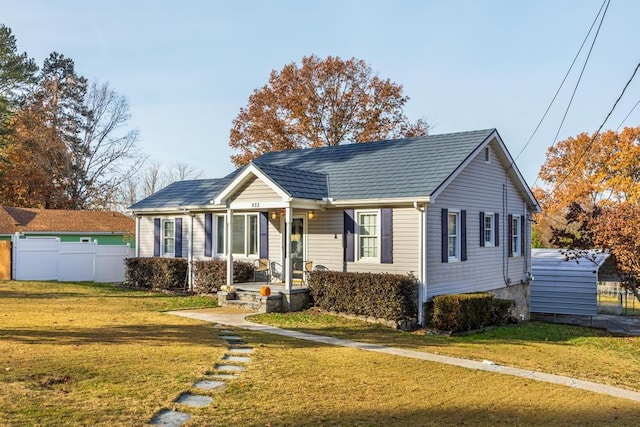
(168,237)
(220,236)
(244,239)
(368,235)
(516,239)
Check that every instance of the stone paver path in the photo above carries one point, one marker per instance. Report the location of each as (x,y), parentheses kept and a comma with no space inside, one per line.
(238,320)
(235,356)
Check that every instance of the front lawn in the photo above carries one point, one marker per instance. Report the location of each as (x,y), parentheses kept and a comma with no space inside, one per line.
(586,353)
(80,354)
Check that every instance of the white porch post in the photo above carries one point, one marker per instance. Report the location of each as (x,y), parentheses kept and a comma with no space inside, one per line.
(229,249)
(288,267)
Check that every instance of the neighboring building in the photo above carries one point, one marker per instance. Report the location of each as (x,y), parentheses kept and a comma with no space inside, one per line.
(103,227)
(452,209)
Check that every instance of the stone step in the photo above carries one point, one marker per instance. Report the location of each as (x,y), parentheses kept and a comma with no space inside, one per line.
(167,417)
(236,359)
(230,368)
(225,376)
(250,305)
(241,350)
(194,400)
(209,384)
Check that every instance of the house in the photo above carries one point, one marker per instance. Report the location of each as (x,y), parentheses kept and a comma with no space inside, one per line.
(102,227)
(452,209)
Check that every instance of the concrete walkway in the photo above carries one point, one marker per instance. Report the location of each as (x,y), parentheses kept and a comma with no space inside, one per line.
(236,319)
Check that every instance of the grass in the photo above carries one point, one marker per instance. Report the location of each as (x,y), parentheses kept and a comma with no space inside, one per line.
(590,354)
(79,354)
(83,354)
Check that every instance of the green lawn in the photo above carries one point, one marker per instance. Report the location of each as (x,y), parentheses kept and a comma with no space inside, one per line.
(79,354)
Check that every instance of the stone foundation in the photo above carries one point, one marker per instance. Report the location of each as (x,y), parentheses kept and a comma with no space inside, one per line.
(519,293)
(295,300)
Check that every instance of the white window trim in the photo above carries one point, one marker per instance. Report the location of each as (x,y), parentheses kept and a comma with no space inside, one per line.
(515,249)
(247,239)
(492,241)
(487,155)
(162,239)
(456,257)
(378,235)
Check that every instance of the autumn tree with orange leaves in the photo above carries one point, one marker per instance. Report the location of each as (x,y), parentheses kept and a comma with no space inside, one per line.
(323,102)
(592,171)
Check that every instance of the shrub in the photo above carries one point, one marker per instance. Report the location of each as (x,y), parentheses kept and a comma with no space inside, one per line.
(465,312)
(209,275)
(156,273)
(385,296)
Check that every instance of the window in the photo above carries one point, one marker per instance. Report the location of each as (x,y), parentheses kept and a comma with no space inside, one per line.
(515,235)
(453,227)
(168,237)
(221,248)
(85,239)
(488,229)
(244,235)
(368,235)
(487,154)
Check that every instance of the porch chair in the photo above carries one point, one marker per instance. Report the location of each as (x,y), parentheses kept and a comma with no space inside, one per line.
(261,265)
(303,268)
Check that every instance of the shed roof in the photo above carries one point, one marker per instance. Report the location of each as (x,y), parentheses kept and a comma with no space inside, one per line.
(555,259)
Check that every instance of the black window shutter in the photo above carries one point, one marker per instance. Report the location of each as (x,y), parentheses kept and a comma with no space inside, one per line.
(178,241)
(522,239)
(264,234)
(481,229)
(208,234)
(445,234)
(510,234)
(496,224)
(348,236)
(386,230)
(463,235)
(156,236)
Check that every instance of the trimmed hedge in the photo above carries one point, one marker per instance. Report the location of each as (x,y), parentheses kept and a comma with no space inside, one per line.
(386,296)
(157,273)
(466,312)
(209,275)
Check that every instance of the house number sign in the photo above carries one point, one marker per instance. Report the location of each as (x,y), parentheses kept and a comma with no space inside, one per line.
(255,204)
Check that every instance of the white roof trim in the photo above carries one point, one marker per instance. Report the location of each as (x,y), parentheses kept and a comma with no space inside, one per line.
(516,175)
(246,174)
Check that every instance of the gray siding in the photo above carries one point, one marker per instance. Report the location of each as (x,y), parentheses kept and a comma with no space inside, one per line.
(564,292)
(147,230)
(256,190)
(480,187)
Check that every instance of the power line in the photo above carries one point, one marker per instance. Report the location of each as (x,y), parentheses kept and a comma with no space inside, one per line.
(627,116)
(595,135)
(575,89)
(561,83)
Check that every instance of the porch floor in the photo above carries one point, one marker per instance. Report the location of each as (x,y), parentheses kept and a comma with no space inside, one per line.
(275,287)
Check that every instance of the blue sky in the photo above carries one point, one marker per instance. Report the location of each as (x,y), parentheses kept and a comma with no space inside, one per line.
(188,67)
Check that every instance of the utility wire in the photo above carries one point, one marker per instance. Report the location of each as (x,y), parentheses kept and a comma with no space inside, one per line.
(595,135)
(561,83)
(627,116)
(575,89)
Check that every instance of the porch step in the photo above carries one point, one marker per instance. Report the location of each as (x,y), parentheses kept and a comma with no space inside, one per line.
(252,300)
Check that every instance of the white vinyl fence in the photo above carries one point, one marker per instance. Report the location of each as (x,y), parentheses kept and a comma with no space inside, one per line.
(50,259)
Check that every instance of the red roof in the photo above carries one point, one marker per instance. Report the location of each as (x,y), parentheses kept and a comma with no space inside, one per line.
(18,220)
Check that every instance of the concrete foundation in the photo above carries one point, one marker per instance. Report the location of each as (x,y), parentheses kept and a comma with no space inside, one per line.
(519,294)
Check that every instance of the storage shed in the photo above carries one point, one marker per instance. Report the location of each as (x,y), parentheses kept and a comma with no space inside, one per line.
(562,286)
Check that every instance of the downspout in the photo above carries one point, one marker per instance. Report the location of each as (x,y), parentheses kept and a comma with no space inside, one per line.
(137,236)
(190,254)
(422,265)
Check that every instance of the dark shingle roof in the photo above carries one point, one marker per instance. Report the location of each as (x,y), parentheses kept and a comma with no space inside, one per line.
(185,193)
(410,167)
(392,168)
(299,183)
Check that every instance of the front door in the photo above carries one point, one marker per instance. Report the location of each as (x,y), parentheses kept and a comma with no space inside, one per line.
(297,244)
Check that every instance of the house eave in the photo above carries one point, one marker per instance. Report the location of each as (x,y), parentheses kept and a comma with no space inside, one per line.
(380,201)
